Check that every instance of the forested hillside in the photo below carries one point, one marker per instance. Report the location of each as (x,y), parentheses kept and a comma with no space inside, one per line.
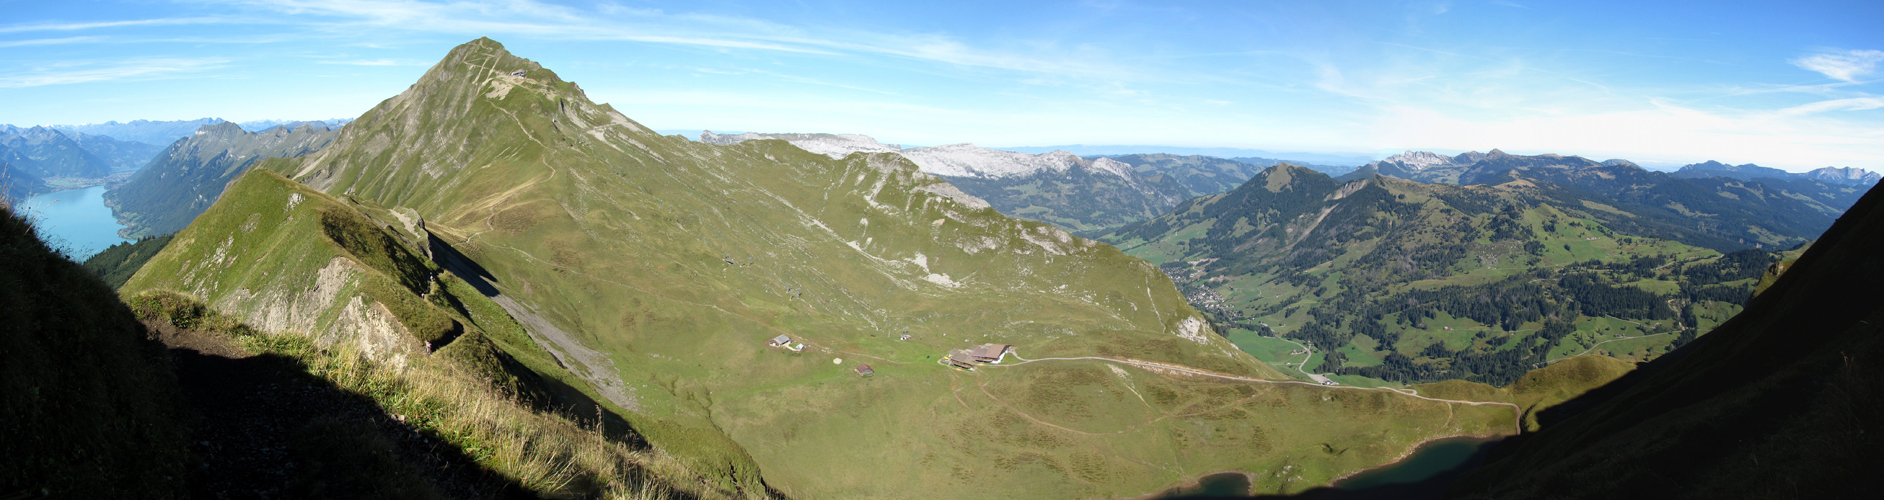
(1405,282)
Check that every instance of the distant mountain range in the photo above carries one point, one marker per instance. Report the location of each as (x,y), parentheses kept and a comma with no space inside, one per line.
(1426,166)
(44,152)
(1080,194)
(1830,175)
(91,152)
(1298,158)
(145,131)
(190,175)
(260,125)
(162,133)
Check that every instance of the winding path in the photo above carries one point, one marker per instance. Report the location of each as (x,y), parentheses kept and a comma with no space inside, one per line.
(1516,417)
(1308,355)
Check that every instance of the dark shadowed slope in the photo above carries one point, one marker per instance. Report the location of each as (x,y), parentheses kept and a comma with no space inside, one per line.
(85,396)
(1773,404)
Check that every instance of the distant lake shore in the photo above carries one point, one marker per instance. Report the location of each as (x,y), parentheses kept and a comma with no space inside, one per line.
(74,221)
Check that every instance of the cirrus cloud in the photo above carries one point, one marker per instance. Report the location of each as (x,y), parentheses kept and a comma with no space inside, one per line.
(1847,65)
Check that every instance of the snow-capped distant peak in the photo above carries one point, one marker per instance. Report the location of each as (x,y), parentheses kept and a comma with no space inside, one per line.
(1417,160)
(832,145)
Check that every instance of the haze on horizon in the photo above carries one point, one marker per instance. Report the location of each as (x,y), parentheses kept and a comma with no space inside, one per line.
(1788,86)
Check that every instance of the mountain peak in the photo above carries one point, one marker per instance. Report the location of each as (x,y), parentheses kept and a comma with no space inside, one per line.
(1847,175)
(1417,160)
(222,128)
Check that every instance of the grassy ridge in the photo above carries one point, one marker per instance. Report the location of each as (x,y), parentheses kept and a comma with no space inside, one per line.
(276,228)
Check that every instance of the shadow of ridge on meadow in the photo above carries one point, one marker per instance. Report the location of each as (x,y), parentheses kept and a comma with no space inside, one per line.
(264,423)
(462,266)
(550,394)
(1429,489)
(1434,485)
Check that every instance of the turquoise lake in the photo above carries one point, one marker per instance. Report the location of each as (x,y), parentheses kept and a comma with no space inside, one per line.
(75,221)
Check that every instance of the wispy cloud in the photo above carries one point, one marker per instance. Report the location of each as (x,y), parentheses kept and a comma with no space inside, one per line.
(107,24)
(377,62)
(51,41)
(1847,65)
(82,72)
(611,22)
(1852,104)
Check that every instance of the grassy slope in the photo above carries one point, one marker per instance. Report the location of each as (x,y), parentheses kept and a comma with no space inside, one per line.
(1773,404)
(86,398)
(679,259)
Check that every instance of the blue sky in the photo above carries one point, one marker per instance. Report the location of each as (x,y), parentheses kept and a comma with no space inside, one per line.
(1789,85)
